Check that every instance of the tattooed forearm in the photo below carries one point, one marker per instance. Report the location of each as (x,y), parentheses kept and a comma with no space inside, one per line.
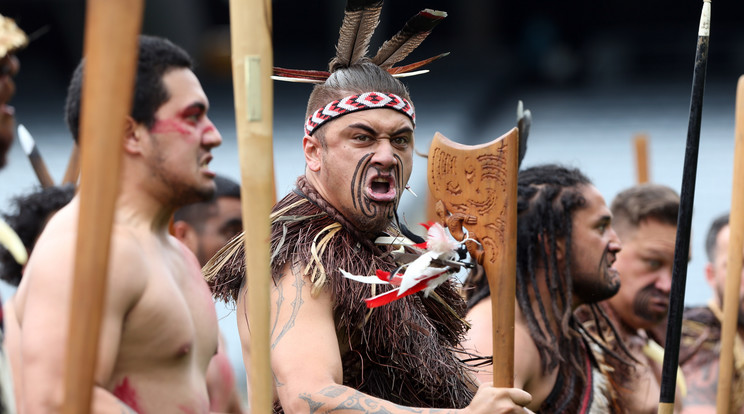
(702,383)
(296,304)
(340,398)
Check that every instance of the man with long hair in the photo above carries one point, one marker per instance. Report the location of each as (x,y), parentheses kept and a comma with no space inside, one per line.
(566,247)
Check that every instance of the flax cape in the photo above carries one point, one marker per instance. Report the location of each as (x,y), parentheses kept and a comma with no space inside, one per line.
(402,351)
(701,346)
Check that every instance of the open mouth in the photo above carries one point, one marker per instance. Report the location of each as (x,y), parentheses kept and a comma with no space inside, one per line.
(381,188)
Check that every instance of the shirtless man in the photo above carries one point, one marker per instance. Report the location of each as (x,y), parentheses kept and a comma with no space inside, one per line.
(564,238)
(159,328)
(646,221)
(701,333)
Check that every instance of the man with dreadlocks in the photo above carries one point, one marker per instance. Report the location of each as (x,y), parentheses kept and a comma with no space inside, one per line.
(565,250)
(328,351)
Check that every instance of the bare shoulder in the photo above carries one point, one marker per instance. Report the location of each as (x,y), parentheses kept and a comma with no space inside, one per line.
(479,337)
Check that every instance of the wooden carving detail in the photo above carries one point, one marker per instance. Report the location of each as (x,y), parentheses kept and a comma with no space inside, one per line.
(476,189)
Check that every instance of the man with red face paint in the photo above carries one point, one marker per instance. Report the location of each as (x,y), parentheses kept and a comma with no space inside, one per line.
(328,351)
(159,327)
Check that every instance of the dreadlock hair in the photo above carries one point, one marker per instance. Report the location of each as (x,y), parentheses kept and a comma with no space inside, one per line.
(31,214)
(547,198)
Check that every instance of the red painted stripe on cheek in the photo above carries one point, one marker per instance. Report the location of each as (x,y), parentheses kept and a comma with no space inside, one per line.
(165,126)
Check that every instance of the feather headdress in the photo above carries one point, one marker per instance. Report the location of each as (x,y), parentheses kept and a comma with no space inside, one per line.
(361,18)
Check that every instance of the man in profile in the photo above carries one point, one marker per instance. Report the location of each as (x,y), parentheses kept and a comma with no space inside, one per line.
(159,327)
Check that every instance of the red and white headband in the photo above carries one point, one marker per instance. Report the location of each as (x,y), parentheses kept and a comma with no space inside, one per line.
(353,103)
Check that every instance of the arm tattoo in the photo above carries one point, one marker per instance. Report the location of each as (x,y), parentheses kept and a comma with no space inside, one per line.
(296,304)
(702,384)
(279,302)
(340,398)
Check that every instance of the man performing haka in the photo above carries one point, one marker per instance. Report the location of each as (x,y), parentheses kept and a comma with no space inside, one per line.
(328,351)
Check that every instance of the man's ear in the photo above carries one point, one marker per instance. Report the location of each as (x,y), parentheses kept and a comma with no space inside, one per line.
(710,275)
(560,246)
(133,134)
(186,234)
(312,149)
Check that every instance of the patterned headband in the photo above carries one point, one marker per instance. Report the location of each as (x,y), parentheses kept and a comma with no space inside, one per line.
(353,103)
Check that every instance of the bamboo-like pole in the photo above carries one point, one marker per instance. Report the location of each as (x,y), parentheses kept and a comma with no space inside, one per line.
(684,220)
(494,227)
(733,270)
(641,156)
(252,61)
(73,167)
(111,31)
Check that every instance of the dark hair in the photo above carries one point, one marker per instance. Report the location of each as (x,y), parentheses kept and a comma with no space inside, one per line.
(196,213)
(157,56)
(547,198)
(643,202)
(354,79)
(711,239)
(32,211)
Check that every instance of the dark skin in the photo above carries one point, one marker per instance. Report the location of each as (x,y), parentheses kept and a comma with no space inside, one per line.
(9,67)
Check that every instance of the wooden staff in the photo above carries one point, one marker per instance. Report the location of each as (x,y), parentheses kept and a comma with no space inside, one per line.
(731,299)
(480,183)
(641,152)
(111,31)
(250,31)
(34,156)
(684,220)
(73,167)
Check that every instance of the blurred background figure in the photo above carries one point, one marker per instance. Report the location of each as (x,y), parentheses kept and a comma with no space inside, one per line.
(205,227)
(11,39)
(645,219)
(28,215)
(701,329)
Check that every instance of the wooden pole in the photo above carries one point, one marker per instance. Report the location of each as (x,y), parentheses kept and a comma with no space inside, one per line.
(684,220)
(731,299)
(252,61)
(73,167)
(490,201)
(111,43)
(641,152)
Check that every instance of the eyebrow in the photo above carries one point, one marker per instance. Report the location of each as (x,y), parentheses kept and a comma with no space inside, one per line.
(372,131)
(196,105)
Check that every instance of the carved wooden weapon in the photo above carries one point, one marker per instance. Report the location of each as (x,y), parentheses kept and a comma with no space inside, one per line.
(477,186)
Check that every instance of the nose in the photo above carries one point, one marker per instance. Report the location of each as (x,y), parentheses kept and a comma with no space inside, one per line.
(614,246)
(664,283)
(384,155)
(211,136)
